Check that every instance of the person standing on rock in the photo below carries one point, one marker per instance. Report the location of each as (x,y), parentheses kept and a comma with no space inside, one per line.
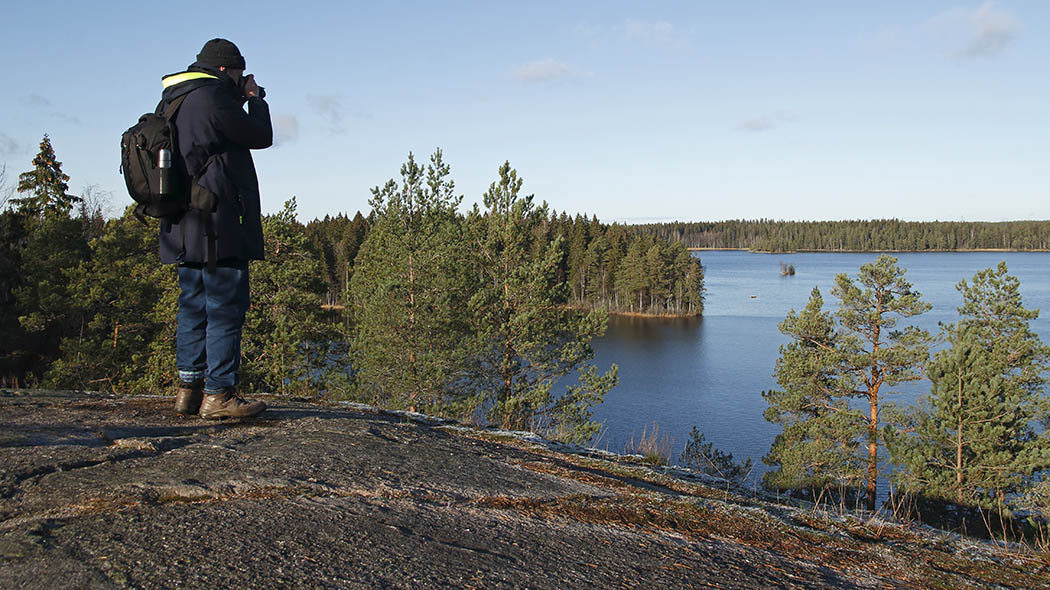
(212,244)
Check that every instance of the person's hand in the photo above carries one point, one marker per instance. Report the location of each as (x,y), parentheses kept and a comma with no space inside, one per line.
(251,89)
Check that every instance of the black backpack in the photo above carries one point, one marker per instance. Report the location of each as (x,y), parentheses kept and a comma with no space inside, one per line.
(140,153)
(140,157)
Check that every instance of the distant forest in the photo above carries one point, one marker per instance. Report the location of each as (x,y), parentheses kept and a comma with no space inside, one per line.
(879,235)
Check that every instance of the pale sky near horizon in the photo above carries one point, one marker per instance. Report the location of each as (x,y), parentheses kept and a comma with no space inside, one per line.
(633,111)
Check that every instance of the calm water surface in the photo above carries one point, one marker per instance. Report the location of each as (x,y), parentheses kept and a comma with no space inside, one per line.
(710,372)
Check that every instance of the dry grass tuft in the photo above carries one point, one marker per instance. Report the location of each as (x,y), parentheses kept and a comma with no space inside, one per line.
(654,447)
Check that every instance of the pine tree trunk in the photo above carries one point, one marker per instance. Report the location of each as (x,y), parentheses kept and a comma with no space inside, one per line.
(508,350)
(873,450)
(412,330)
(959,445)
(873,419)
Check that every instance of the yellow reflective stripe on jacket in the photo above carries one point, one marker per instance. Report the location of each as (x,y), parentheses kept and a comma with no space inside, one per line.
(185,77)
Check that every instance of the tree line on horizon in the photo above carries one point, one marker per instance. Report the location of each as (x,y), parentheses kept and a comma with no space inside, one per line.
(879,235)
(486,316)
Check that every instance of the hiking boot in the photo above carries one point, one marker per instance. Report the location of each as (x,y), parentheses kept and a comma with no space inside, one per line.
(188,397)
(229,405)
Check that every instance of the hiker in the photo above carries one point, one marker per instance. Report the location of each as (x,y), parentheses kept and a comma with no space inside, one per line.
(212,244)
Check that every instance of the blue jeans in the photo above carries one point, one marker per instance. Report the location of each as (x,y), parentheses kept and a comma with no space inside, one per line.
(212,307)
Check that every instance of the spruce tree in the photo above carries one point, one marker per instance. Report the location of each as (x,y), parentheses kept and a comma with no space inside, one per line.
(320,234)
(658,277)
(689,286)
(48,193)
(409,292)
(632,277)
(577,268)
(53,243)
(529,337)
(13,239)
(347,248)
(617,239)
(975,438)
(45,306)
(596,265)
(125,306)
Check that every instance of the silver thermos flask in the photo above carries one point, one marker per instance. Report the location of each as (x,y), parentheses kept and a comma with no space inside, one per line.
(164,171)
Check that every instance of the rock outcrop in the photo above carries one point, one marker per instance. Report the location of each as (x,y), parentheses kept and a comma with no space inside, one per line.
(113,492)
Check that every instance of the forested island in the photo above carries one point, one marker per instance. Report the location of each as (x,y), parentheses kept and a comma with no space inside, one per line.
(878,235)
(605,265)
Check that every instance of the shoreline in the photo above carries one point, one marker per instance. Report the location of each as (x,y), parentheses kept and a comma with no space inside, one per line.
(813,251)
(638,314)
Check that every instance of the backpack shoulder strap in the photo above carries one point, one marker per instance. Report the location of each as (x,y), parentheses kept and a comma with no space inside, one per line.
(173,107)
(209,230)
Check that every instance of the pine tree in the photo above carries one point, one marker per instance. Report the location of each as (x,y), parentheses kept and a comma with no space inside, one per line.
(46,185)
(530,338)
(975,440)
(874,355)
(704,456)
(824,368)
(286,340)
(409,292)
(817,450)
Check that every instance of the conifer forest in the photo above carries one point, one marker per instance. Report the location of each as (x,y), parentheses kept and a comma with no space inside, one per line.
(879,235)
(479,314)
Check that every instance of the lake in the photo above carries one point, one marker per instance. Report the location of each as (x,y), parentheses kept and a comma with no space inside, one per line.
(710,372)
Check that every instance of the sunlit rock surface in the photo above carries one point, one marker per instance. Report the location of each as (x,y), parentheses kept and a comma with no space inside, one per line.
(105,492)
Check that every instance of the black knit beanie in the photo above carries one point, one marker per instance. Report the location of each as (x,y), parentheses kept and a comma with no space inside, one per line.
(220,52)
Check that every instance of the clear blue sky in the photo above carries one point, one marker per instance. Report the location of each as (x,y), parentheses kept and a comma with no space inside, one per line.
(633,111)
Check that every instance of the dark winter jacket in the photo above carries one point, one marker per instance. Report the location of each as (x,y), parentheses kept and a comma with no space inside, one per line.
(212,122)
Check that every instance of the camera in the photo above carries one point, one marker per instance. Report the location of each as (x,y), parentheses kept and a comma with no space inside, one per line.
(243,85)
